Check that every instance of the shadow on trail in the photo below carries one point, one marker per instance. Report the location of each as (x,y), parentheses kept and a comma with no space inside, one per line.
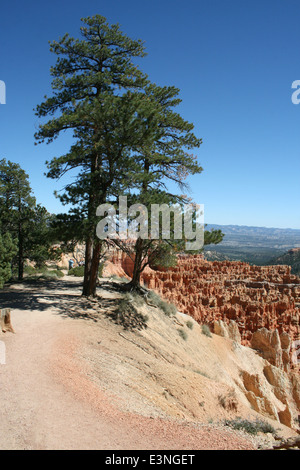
(63,296)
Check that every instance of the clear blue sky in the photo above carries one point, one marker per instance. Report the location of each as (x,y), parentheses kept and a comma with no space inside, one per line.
(234,62)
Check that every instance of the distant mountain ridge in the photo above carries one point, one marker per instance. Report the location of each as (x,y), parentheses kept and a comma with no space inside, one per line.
(291,258)
(254,245)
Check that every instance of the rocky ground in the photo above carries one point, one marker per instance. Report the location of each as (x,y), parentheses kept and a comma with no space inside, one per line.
(74,378)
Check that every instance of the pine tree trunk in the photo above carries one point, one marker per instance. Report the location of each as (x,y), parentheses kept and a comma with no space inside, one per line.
(136,279)
(20,240)
(87,266)
(20,254)
(95,269)
(21,261)
(91,269)
(137,269)
(89,248)
(138,261)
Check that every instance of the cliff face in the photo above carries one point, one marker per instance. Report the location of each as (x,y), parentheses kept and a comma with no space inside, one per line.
(254,297)
(250,306)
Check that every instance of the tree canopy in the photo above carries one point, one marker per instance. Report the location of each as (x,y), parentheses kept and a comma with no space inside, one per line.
(26,222)
(93,83)
(127,137)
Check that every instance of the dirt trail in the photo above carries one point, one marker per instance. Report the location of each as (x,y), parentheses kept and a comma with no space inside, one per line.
(47,398)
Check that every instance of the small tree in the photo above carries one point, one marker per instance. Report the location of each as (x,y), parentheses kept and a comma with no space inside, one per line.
(21,217)
(38,246)
(8,249)
(17,205)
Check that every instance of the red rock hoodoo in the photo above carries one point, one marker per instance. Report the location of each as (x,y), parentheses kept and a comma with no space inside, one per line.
(254,297)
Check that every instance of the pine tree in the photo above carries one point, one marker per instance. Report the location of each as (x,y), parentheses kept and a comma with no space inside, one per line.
(8,249)
(21,217)
(40,237)
(163,157)
(17,204)
(93,83)
(213,236)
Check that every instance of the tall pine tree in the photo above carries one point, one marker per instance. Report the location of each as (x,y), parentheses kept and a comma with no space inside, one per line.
(93,83)
(164,157)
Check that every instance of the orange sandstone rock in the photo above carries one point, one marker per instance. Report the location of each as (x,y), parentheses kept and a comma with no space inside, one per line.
(255,297)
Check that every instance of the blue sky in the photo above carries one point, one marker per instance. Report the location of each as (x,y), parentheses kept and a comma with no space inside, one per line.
(234,62)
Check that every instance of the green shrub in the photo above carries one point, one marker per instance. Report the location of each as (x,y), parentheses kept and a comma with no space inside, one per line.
(44,271)
(29,270)
(78,271)
(60,268)
(134,297)
(200,372)
(251,427)
(56,272)
(154,298)
(52,273)
(168,308)
(190,324)
(183,334)
(100,270)
(127,315)
(41,269)
(206,331)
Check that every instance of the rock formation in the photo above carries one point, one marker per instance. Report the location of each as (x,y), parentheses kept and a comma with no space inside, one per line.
(254,306)
(218,293)
(254,297)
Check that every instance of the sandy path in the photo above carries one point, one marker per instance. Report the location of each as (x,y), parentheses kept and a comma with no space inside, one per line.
(48,401)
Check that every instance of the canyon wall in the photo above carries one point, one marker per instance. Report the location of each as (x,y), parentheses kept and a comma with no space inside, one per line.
(255,297)
(256,306)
